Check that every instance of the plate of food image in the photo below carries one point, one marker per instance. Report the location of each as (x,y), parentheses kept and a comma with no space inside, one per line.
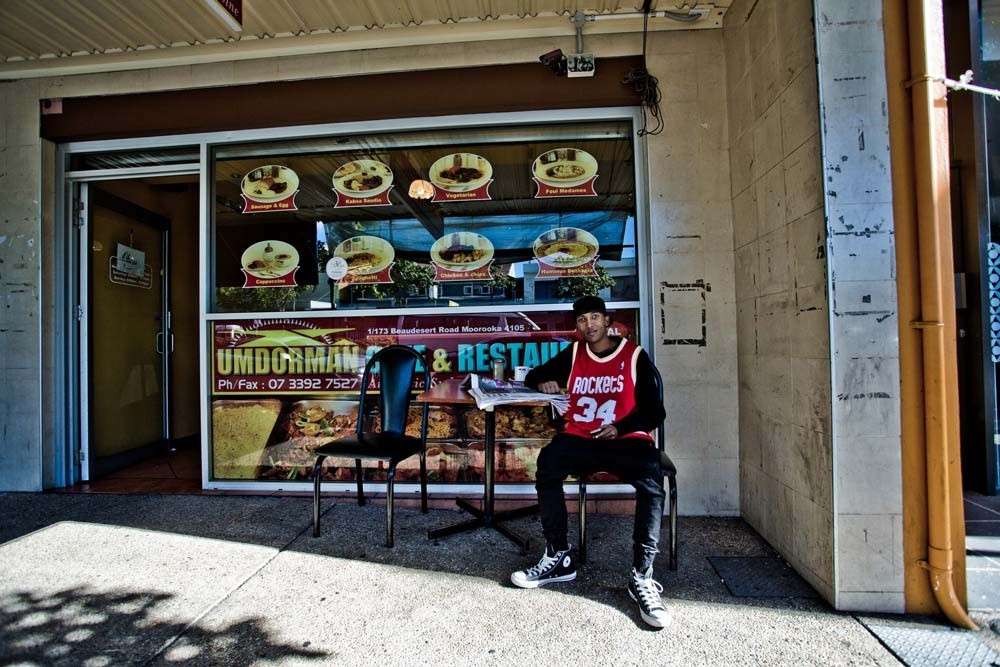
(270,259)
(462,251)
(564,167)
(362,178)
(459,172)
(566,247)
(269,183)
(365,254)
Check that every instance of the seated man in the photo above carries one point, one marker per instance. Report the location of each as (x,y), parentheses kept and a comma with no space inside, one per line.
(610,383)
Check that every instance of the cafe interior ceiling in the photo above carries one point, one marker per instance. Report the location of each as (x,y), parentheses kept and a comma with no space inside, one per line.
(60,37)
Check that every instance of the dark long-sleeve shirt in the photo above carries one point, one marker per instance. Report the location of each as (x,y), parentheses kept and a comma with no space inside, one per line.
(648,414)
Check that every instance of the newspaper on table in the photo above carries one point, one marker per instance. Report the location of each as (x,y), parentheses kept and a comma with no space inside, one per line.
(489,392)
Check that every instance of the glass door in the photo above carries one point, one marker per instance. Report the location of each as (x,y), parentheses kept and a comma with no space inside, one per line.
(126,339)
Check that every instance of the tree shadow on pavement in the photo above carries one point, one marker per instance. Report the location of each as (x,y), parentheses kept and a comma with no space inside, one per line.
(90,627)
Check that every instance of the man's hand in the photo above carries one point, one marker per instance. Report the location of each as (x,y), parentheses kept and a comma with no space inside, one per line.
(550,387)
(608,432)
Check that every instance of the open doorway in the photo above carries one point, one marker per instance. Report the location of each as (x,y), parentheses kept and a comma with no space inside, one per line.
(139,385)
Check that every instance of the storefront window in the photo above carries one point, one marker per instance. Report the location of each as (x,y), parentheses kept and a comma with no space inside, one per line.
(489,216)
(443,240)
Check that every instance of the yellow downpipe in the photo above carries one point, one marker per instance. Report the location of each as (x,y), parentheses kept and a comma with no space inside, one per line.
(921,196)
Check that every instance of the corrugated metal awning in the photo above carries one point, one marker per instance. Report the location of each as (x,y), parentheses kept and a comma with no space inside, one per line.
(39,38)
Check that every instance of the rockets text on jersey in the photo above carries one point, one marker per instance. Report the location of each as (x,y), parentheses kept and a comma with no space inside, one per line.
(602,389)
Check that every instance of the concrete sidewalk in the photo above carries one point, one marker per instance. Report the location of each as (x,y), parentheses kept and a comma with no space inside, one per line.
(230,580)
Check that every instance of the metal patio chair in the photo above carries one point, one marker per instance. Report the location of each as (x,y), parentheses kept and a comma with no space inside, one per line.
(397,368)
(669,471)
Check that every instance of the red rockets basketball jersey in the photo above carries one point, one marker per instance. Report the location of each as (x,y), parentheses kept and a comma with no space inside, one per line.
(602,389)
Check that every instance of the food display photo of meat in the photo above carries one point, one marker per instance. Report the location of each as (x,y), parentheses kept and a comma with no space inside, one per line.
(442,422)
(269,183)
(515,421)
(270,439)
(460,172)
(362,178)
(462,251)
(304,427)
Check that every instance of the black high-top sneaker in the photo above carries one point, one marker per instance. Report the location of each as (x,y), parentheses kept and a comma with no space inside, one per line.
(646,592)
(554,566)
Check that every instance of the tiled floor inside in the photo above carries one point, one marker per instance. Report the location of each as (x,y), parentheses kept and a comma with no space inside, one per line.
(177,470)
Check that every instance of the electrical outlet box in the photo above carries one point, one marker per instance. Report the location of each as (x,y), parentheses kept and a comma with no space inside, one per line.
(580,64)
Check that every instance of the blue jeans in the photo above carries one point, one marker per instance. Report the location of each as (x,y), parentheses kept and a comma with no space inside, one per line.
(632,460)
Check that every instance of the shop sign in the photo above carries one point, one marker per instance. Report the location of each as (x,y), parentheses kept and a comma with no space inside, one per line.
(270,264)
(462,256)
(362,183)
(327,355)
(131,260)
(282,388)
(269,188)
(565,172)
(129,268)
(461,177)
(230,10)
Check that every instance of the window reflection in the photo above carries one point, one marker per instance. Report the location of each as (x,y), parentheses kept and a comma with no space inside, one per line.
(519,216)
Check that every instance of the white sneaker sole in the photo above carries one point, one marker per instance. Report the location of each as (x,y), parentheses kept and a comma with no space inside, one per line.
(649,620)
(538,583)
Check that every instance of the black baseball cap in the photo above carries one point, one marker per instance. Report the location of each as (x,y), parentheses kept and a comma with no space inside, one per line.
(589,304)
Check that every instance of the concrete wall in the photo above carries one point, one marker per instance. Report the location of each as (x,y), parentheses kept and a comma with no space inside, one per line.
(689,192)
(20,288)
(864,324)
(694,292)
(779,235)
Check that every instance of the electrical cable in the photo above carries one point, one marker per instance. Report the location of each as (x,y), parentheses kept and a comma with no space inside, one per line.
(646,85)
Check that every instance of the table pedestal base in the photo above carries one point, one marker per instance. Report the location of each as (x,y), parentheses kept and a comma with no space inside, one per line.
(484,519)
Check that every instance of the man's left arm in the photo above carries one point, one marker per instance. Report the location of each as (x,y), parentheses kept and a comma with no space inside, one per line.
(648,415)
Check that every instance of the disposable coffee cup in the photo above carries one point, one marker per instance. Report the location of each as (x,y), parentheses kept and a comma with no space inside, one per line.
(521,373)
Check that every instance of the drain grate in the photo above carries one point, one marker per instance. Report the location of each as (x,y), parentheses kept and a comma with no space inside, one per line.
(931,645)
(760,577)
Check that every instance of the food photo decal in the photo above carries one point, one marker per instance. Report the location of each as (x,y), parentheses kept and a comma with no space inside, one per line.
(269,188)
(270,264)
(462,256)
(461,176)
(368,258)
(566,252)
(362,182)
(565,172)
